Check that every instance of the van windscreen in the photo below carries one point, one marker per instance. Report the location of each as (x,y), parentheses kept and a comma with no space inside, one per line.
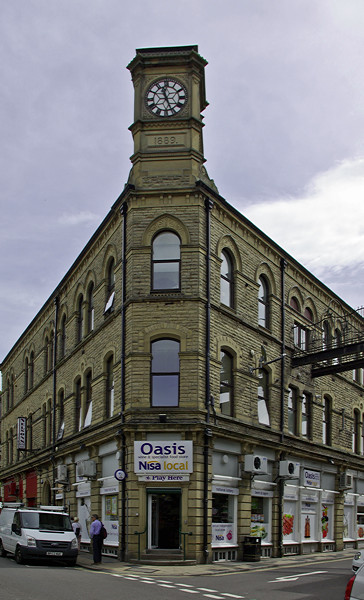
(46,521)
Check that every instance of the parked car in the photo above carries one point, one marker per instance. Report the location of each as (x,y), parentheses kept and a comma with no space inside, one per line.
(355,586)
(358,560)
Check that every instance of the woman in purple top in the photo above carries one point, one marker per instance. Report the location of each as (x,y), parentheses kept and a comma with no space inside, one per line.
(95,535)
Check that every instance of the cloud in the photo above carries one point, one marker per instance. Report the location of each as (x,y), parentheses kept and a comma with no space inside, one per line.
(324,227)
(80,218)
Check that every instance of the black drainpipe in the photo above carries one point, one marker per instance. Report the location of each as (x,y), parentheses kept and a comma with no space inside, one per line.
(207,433)
(283,375)
(123,210)
(54,399)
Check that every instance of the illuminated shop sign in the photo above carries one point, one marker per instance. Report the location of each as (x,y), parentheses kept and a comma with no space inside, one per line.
(156,458)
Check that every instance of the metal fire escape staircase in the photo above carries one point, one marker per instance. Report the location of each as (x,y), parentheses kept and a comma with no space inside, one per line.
(344,352)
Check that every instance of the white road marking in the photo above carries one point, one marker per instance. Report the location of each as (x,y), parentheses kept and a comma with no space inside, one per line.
(187,585)
(189,591)
(295,577)
(207,590)
(232,596)
(166,585)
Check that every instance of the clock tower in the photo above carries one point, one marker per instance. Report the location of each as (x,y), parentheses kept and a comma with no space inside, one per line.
(169,85)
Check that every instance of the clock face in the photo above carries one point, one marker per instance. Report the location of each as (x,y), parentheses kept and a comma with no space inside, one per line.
(166,97)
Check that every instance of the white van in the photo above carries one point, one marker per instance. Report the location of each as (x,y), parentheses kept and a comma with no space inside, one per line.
(44,532)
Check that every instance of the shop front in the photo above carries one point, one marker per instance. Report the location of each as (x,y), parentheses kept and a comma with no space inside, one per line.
(164,468)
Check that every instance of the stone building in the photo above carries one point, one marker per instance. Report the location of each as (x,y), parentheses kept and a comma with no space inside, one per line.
(188,379)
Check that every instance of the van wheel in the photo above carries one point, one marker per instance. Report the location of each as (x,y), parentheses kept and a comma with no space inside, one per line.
(3,552)
(18,556)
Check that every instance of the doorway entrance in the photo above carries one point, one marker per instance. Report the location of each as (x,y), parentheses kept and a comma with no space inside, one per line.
(164,509)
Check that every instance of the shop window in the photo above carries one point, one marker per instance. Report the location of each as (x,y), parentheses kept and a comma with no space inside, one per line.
(326,421)
(263,398)
(306,415)
(166,261)
(165,372)
(263,306)
(90,308)
(222,508)
(260,517)
(226,383)
(109,400)
(226,279)
(88,400)
(292,411)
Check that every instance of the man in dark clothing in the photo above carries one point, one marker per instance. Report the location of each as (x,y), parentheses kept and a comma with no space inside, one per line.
(97,540)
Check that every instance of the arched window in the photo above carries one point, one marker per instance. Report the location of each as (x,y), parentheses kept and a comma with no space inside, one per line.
(308,314)
(12,390)
(292,411)
(306,415)
(50,351)
(31,370)
(326,336)
(263,307)
(165,372)
(226,383)
(326,421)
(109,400)
(110,287)
(60,415)
(79,332)
(62,348)
(263,398)
(294,304)
(226,279)
(88,399)
(90,308)
(356,432)
(46,344)
(7,408)
(166,261)
(78,412)
(26,375)
(49,420)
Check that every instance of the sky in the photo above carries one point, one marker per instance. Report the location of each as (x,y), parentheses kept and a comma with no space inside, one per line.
(283,136)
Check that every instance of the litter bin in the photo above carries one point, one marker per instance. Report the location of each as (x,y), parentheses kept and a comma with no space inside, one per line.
(252,548)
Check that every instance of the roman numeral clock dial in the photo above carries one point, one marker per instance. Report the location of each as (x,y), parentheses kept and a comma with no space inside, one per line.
(166,97)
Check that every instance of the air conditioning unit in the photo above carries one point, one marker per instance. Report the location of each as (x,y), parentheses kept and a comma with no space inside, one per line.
(256,464)
(289,469)
(61,472)
(345,481)
(86,468)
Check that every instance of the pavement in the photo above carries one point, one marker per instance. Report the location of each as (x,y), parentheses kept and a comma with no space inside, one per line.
(111,564)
